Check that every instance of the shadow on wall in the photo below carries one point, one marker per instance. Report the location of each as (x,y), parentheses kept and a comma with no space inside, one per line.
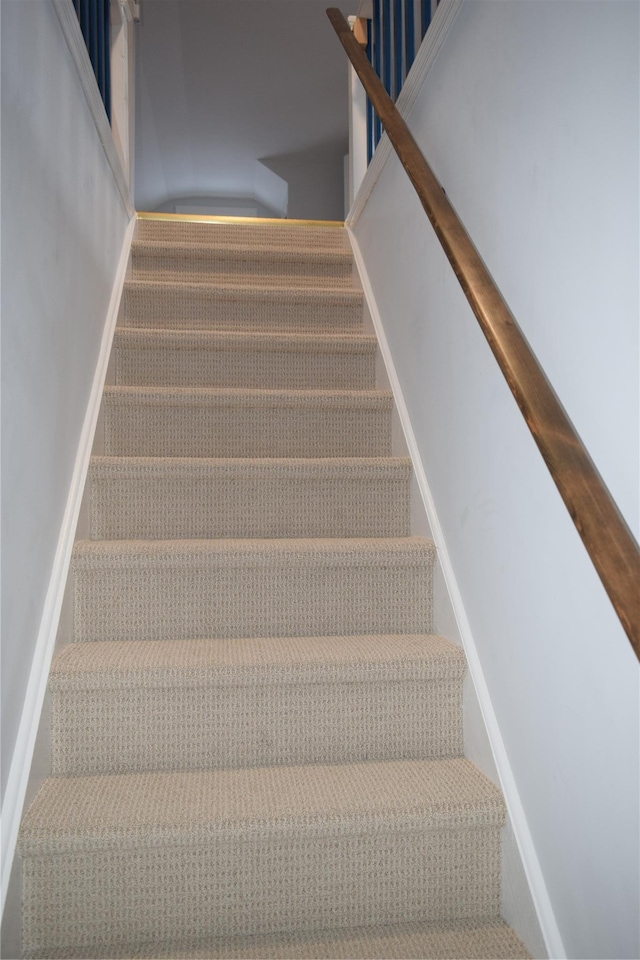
(316,182)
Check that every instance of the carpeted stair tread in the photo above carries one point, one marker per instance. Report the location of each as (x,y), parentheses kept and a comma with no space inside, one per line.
(330,468)
(195,589)
(198,704)
(234,422)
(225,250)
(316,800)
(188,497)
(283,234)
(241,340)
(257,660)
(258,265)
(356,552)
(236,306)
(259,851)
(457,940)
(241,359)
(252,397)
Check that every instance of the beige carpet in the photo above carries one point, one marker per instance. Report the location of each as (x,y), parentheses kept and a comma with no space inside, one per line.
(271,361)
(256,737)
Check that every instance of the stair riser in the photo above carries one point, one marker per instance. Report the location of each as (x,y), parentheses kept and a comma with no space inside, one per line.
(258,272)
(254,885)
(491,940)
(204,309)
(204,430)
(293,237)
(167,508)
(191,727)
(195,600)
(234,368)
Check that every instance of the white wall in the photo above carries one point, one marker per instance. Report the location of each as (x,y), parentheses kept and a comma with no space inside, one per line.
(529,117)
(64,219)
(315,184)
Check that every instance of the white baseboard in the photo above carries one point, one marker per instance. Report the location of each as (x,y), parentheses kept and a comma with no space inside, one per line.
(528,855)
(23,752)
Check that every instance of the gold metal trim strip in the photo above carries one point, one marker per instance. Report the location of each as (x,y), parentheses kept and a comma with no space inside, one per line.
(253,221)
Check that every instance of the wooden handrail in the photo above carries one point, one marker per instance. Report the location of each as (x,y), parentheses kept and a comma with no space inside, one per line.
(609,542)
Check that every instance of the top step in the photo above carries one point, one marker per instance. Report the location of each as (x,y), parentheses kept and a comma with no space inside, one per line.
(294,235)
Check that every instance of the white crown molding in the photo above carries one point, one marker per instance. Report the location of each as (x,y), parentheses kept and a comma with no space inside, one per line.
(443,18)
(25,742)
(75,42)
(529,858)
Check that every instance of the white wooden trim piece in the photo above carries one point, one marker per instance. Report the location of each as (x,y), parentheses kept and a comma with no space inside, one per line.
(531,864)
(23,752)
(357,135)
(128,8)
(78,50)
(446,12)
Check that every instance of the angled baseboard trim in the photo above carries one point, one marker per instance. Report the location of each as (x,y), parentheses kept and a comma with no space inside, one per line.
(530,863)
(20,768)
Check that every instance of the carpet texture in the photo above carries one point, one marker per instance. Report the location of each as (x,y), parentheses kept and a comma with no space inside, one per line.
(166,705)
(264,849)
(190,262)
(268,361)
(197,306)
(166,498)
(182,589)
(257,745)
(228,422)
(408,941)
(268,234)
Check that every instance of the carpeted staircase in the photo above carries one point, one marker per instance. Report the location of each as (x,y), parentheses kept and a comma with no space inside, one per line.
(257,740)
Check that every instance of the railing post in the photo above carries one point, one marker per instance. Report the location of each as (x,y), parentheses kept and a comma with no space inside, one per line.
(409,33)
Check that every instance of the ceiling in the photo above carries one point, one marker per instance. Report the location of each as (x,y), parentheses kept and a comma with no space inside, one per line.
(241,102)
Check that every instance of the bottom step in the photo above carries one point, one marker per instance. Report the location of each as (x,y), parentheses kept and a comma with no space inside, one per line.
(409,941)
(116,861)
